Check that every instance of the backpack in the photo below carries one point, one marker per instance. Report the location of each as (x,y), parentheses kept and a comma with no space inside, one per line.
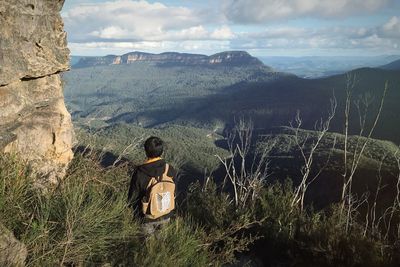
(160,197)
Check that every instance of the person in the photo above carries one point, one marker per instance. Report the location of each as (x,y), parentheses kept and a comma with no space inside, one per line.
(143,178)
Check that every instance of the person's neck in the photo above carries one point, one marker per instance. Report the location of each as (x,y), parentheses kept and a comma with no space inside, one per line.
(150,160)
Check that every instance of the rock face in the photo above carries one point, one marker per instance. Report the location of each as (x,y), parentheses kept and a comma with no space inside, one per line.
(236,58)
(12,252)
(33,118)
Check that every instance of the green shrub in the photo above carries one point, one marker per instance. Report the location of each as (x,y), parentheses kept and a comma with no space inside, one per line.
(314,238)
(86,221)
(177,244)
(227,228)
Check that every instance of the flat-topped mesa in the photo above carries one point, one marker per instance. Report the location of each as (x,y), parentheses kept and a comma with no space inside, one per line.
(231,58)
(34,121)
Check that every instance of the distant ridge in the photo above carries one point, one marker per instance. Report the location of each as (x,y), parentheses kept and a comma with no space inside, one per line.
(395,65)
(231,58)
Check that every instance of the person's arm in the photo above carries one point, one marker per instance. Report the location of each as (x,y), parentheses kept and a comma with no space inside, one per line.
(132,193)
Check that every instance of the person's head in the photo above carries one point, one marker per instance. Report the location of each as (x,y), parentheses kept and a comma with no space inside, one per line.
(153,147)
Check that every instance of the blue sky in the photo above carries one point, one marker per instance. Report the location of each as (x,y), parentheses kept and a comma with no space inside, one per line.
(261,27)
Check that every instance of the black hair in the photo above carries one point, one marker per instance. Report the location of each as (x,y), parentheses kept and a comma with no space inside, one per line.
(153,147)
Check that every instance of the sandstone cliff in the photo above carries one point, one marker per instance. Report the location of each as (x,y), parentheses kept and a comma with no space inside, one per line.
(33,118)
(230,58)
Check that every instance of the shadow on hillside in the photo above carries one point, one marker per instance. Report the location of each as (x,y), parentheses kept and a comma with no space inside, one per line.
(275,102)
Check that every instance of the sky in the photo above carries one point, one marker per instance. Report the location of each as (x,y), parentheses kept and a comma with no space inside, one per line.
(261,27)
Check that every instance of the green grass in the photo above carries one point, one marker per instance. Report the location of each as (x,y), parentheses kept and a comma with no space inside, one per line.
(177,244)
(85,220)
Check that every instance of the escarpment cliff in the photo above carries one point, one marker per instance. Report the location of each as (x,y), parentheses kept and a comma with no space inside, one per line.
(34,121)
(228,58)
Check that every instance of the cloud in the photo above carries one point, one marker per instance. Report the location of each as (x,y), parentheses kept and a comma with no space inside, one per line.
(111,32)
(223,33)
(258,11)
(383,38)
(128,20)
(279,32)
(391,29)
(125,25)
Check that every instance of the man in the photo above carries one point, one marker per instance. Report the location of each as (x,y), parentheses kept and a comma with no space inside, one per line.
(145,177)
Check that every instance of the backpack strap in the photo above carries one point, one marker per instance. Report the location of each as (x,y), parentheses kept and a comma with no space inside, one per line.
(164,173)
(166,169)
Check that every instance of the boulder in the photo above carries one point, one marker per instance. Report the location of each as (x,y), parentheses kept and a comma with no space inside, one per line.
(12,252)
(34,121)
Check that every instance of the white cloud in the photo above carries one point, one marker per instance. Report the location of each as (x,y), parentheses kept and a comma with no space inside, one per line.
(223,33)
(118,45)
(110,33)
(256,11)
(128,20)
(382,39)
(391,29)
(125,25)
(192,33)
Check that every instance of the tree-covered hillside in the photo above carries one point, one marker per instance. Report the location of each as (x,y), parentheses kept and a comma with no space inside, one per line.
(276,103)
(147,94)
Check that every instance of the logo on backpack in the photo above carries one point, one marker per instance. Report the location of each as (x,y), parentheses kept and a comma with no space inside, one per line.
(160,199)
(163,201)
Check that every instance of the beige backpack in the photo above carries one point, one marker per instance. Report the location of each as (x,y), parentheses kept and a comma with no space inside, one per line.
(160,199)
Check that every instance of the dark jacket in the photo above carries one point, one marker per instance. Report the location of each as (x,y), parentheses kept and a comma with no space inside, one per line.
(139,181)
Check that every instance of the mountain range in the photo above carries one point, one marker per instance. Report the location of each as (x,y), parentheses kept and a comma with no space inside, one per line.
(238,58)
(312,67)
